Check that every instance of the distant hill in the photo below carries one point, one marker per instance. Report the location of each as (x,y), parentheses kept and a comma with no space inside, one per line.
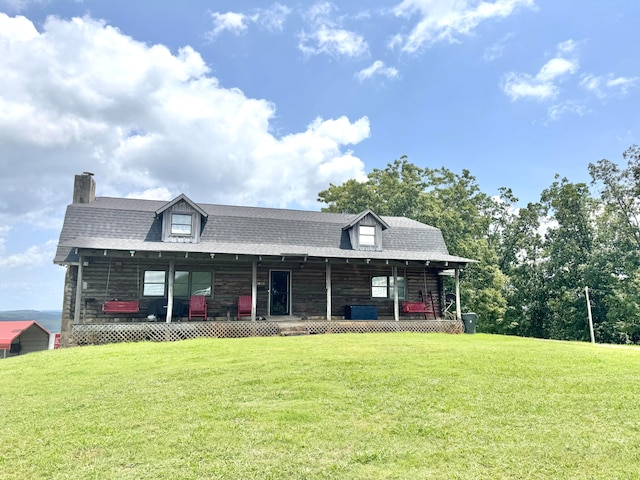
(49,319)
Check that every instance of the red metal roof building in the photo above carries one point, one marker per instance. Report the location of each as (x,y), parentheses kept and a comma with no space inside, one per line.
(22,336)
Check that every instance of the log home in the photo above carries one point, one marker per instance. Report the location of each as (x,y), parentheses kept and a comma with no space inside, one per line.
(146,269)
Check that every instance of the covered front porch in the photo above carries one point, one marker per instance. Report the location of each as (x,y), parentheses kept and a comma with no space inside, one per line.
(288,294)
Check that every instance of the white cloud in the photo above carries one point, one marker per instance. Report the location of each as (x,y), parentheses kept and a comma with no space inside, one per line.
(446,20)
(604,86)
(271,19)
(325,35)
(332,41)
(377,68)
(17,5)
(555,112)
(543,85)
(158,193)
(34,256)
(495,51)
(146,122)
(227,22)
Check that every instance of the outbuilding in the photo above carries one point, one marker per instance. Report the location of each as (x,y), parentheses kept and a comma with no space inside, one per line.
(22,336)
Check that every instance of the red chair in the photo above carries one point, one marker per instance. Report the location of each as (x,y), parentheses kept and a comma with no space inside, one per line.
(244,306)
(198,307)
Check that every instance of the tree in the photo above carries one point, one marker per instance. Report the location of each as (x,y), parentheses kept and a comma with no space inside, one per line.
(618,237)
(569,241)
(523,261)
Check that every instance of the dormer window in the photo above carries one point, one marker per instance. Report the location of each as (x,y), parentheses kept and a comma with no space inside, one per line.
(367,235)
(181,224)
(182,220)
(365,231)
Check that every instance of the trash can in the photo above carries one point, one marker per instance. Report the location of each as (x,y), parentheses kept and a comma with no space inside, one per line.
(470,319)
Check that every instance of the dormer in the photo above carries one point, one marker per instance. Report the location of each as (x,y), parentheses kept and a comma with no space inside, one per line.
(182,220)
(365,231)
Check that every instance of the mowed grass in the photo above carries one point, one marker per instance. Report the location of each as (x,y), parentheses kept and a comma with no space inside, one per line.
(378,406)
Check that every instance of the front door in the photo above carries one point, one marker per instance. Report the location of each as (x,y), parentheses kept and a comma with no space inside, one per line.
(280,292)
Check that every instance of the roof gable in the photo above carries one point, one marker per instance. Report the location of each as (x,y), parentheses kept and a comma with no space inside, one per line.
(361,216)
(178,199)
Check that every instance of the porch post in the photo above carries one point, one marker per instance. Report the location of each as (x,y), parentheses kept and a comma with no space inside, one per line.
(458,307)
(328,283)
(78,304)
(172,268)
(254,289)
(396,306)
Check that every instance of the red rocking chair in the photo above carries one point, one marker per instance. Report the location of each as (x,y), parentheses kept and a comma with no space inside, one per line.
(244,306)
(198,307)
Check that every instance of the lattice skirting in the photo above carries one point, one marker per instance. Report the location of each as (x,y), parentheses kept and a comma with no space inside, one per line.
(169,332)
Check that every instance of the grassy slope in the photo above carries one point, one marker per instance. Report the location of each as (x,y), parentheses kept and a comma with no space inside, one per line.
(332,406)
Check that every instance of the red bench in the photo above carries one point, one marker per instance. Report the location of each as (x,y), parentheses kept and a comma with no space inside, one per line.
(418,307)
(117,306)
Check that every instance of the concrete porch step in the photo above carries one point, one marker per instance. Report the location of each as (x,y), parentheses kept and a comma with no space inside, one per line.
(291,330)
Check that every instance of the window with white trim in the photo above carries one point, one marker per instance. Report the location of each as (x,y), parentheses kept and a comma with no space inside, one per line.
(367,235)
(154,281)
(180,224)
(382,287)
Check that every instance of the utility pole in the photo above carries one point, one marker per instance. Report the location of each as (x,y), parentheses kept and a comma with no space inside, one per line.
(593,338)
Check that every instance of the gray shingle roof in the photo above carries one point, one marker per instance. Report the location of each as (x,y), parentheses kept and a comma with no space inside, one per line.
(131,224)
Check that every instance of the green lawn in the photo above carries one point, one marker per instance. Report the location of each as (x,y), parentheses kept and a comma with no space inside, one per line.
(373,406)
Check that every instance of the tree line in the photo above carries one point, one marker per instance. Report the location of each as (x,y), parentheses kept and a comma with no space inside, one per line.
(534,262)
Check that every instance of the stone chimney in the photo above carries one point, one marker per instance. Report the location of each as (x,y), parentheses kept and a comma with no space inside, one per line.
(84,188)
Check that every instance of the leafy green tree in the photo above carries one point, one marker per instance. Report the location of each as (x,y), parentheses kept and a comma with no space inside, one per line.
(523,261)
(618,237)
(569,241)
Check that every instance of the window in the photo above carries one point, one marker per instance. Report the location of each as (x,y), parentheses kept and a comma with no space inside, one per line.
(367,235)
(180,224)
(154,283)
(186,284)
(382,287)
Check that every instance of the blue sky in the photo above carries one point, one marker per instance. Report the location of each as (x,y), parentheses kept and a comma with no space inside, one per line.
(266,103)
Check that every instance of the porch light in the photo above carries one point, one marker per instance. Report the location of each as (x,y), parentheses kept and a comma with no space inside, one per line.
(426,264)
(104,253)
(132,252)
(368,261)
(186,254)
(212,255)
